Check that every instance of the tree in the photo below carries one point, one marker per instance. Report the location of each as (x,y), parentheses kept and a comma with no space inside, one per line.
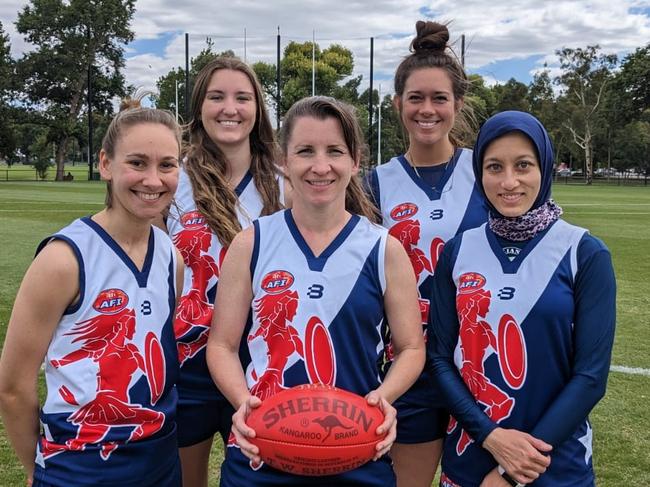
(513,95)
(632,147)
(7,128)
(167,84)
(480,98)
(69,37)
(585,73)
(394,139)
(628,95)
(332,65)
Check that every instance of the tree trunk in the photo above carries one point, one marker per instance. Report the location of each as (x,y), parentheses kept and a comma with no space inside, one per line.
(60,158)
(73,113)
(588,159)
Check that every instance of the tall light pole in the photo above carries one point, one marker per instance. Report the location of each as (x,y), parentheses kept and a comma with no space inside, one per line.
(379,128)
(176,103)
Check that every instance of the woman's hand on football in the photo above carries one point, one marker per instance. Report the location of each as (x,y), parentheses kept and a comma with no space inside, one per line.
(243,432)
(388,427)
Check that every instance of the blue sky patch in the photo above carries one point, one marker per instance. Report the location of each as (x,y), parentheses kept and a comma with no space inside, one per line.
(152,46)
(511,68)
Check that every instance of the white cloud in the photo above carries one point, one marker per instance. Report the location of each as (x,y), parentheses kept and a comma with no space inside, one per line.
(496,31)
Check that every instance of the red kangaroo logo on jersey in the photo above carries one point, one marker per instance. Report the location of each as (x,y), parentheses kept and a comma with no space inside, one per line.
(111,301)
(276,282)
(107,341)
(476,338)
(403,211)
(194,308)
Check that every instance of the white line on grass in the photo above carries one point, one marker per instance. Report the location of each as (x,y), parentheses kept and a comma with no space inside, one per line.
(608,205)
(630,370)
(608,213)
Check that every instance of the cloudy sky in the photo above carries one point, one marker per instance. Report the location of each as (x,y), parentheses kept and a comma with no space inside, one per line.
(504,39)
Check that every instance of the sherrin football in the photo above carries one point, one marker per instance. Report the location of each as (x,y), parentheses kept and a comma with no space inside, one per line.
(315,429)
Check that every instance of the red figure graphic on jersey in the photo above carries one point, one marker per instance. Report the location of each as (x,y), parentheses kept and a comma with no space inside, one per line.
(194,308)
(476,338)
(105,341)
(274,312)
(407,231)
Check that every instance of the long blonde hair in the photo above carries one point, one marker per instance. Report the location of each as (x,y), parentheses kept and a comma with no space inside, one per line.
(206,164)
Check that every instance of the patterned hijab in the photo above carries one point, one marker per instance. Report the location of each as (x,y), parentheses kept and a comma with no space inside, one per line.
(544,211)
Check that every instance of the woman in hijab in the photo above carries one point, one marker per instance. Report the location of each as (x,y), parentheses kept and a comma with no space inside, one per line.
(525,317)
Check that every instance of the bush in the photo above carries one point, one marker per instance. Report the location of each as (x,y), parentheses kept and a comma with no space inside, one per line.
(42,165)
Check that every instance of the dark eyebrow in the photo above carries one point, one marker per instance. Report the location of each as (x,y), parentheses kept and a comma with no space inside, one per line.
(138,154)
(239,92)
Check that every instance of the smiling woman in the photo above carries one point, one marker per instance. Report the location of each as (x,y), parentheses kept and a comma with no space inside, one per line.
(106,334)
(525,313)
(228,178)
(426,196)
(321,265)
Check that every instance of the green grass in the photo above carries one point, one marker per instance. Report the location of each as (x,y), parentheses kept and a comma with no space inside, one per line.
(620,216)
(20,172)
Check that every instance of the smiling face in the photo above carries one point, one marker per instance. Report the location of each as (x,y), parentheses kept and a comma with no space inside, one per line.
(143,170)
(318,161)
(428,107)
(511,174)
(228,111)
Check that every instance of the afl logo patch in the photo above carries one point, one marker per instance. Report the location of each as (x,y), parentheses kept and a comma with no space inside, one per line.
(470,282)
(403,211)
(193,220)
(277,281)
(111,301)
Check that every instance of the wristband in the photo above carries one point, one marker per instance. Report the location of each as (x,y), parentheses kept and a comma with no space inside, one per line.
(508,478)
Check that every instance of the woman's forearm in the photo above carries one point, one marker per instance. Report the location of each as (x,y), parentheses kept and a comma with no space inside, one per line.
(405,369)
(19,411)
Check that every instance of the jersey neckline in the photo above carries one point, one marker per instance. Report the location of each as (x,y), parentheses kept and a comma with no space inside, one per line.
(318,263)
(142,275)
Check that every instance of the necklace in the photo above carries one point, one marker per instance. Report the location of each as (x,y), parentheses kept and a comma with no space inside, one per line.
(433,182)
(409,158)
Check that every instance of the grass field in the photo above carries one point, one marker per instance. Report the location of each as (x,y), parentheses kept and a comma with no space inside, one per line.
(19,172)
(29,211)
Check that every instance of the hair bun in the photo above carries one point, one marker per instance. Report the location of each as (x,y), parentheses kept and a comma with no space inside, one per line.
(431,36)
(129,104)
(134,101)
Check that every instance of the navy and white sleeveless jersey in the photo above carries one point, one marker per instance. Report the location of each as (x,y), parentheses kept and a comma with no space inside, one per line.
(202,254)
(314,319)
(523,344)
(110,369)
(423,218)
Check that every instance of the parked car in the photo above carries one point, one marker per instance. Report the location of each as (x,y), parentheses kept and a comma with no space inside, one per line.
(564,173)
(604,171)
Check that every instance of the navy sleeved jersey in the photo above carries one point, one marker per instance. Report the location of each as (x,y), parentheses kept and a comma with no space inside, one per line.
(524,344)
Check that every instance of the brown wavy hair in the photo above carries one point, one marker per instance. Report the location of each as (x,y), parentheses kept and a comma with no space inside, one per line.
(430,49)
(206,164)
(321,108)
(131,114)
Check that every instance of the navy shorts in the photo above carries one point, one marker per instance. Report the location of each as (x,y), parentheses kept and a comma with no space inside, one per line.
(418,424)
(171,477)
(198,420)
